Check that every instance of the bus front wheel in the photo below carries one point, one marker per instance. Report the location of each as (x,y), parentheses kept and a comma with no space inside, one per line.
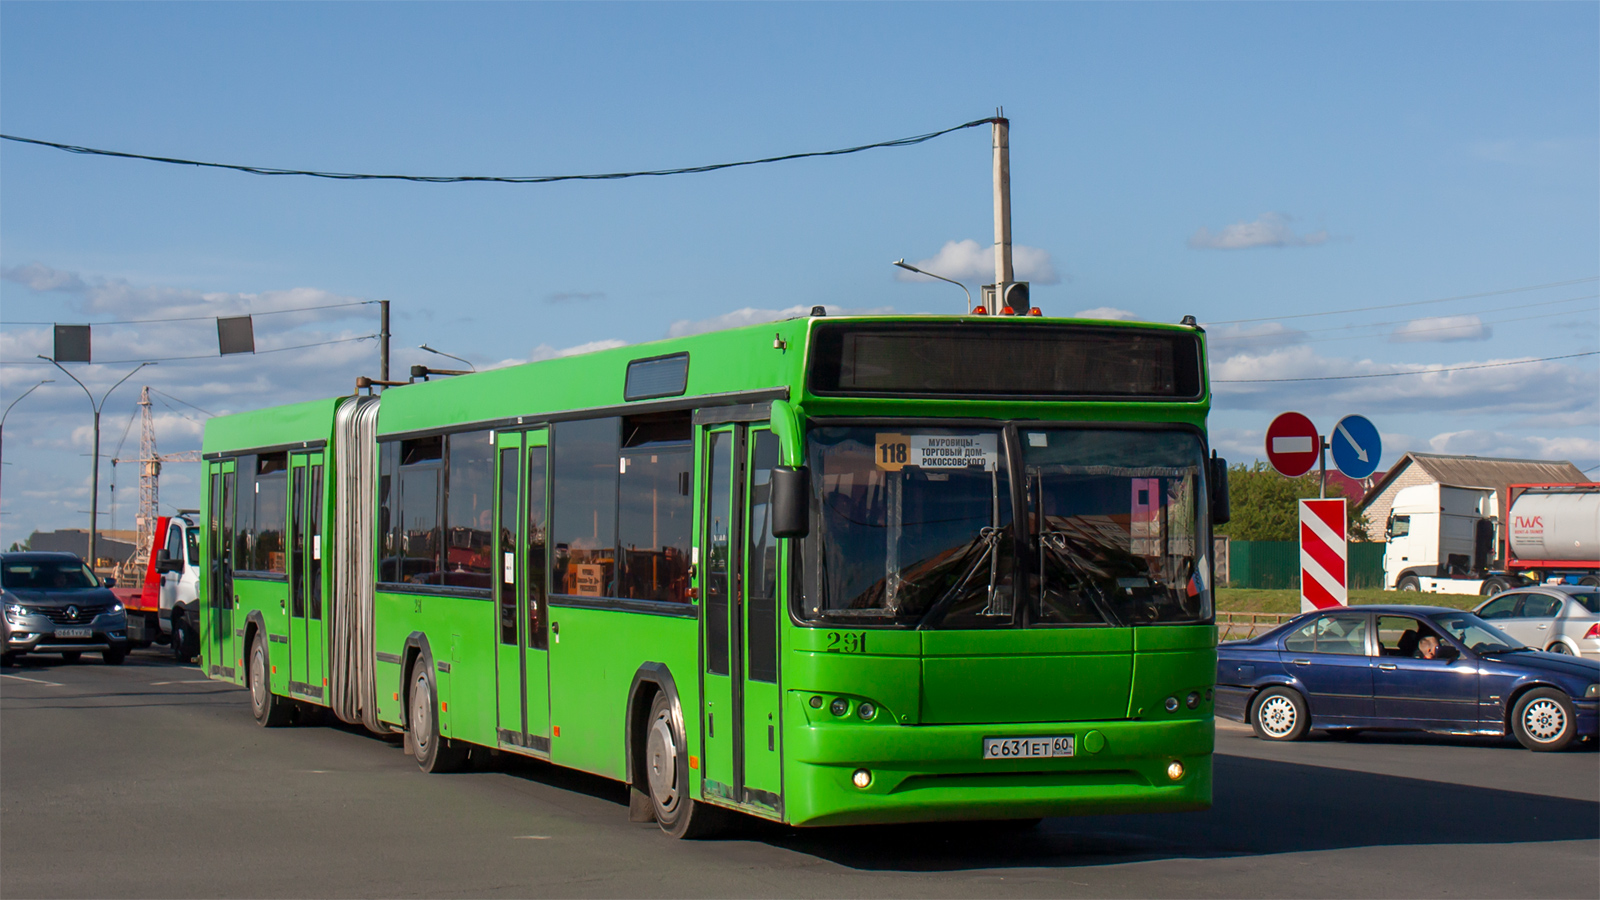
(676,812)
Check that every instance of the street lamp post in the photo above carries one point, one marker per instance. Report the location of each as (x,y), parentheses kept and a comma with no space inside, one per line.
(910,268)
(94,482)
(8,412)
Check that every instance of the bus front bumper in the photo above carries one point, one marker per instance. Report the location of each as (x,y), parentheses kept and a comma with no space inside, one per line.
(936,772)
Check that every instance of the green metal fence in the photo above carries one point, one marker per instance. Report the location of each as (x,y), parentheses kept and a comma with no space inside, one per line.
(1276,564)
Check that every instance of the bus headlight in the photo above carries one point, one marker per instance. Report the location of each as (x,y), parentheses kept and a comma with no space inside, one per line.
(839,706)
(1172,704)
(1175,770)
(861,779)
(866,711)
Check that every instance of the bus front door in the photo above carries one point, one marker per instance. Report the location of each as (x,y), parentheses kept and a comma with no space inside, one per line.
(739,626)
(218,646)
(521,621)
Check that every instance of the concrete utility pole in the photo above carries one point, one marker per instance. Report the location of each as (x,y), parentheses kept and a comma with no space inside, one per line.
(94,489)
(383,335)
(1002,213)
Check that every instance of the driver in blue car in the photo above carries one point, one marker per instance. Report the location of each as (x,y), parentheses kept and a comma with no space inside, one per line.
(1428,647)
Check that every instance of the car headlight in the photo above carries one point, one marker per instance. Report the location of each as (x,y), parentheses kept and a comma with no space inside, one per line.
(15,611)
(1592,691)
(116,608)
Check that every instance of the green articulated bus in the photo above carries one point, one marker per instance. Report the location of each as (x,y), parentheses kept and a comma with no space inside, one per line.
(830,570)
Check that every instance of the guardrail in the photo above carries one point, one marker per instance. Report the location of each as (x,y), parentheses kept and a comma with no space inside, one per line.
(1236,626)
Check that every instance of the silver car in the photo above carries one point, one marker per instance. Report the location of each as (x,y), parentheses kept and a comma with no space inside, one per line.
(1560,618)
(55,604)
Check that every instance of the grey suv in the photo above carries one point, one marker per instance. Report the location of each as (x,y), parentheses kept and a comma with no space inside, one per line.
(55,604)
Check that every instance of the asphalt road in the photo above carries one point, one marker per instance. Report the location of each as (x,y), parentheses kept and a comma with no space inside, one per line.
(149,781)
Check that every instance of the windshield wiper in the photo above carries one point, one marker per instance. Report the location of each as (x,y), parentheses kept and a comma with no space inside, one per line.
(1057,543)
(987,541)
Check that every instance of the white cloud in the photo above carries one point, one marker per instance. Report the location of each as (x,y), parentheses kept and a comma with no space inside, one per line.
(1536,388)
(1442,329)
(1257,336)
(753,316)
(545,351)
(1268,230)
(1580,450)
(1105,312)
(43,278)
(970,261)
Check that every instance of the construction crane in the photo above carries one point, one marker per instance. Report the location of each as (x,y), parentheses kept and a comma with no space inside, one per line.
(149,483)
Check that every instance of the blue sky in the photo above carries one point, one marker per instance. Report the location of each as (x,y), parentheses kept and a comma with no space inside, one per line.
(1226,161)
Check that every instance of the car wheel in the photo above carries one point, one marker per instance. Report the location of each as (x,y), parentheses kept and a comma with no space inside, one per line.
(70,656)
(114,656)
(1559,647)
(1543,720)
(1279,714)
(1409,583)
(270,710)
(676,812)
(432,752)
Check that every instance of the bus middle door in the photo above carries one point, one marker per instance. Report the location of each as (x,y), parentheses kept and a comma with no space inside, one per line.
(521,621)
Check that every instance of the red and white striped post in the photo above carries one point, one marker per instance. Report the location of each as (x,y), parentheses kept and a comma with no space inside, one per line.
(1324,555)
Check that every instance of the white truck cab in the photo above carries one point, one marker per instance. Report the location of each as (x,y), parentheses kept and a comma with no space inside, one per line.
(1440,539)
(179,564)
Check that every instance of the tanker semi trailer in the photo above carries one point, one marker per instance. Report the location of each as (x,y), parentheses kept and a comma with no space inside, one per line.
(1452,539)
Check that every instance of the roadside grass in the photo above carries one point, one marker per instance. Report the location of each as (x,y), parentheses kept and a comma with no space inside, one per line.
(1288,601)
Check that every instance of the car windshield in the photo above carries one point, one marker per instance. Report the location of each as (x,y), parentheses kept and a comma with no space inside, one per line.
(1475,634)
(1115,523)
(48,575)
(1589,599)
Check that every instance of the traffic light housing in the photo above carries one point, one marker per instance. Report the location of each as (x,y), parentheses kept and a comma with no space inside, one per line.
(1013,300)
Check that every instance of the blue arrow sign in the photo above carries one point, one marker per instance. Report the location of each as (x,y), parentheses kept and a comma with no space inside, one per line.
(1356,446)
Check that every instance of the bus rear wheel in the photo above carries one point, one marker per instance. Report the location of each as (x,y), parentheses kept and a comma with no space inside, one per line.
(676,812)
(433,753)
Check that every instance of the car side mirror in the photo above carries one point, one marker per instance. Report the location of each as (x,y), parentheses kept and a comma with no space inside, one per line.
(791,501)
(1221,509)
(108,581)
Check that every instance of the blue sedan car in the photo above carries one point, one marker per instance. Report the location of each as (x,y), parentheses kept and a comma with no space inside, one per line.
(1423,668)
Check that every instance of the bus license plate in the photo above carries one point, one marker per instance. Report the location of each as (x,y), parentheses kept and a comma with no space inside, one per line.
(1027,747)
(74,632)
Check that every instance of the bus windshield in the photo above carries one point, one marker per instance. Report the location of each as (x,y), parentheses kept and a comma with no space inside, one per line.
(914,526)
(1114,520)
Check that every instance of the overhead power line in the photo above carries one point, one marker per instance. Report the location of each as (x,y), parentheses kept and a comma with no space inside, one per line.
(503,179)
(114,362)
(1335,312)
(270,312)
(184,402)
(1245,343)
(1519,362)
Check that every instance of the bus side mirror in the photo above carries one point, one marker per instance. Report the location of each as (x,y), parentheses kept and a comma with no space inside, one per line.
(1221,511)
(791,501)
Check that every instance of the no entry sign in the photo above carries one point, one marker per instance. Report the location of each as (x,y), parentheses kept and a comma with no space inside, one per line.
(1292,444)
